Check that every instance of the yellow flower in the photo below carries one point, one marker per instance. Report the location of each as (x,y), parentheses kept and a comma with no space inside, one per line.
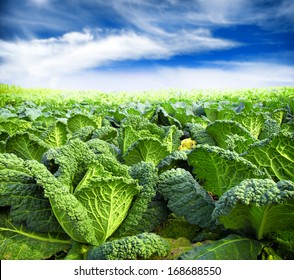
(187,144)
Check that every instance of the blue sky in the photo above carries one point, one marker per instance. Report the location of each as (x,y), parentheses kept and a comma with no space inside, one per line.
(137,45)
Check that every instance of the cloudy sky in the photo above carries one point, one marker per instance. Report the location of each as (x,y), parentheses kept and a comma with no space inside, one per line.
(136,45)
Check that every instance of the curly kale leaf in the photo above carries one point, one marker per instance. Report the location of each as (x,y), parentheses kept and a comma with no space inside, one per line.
(96,208)
(14,125)
(69,162)
(26,201)
(230,135)
(141,246)
(146,173)
(259,207)
(88,214)
(98,146)
(186,197)
(28,227)
(269,128)
(106,133)
(177,227)
(140,140)
(134,128)
(221,169)
(112,165)
(84,133)
(69,211)
(199,134)
(175,158)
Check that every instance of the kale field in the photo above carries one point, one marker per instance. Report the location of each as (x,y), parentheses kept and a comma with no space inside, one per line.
(158,175)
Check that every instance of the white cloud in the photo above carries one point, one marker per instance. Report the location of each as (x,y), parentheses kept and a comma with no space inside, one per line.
(77,51)
(69,60)
(152,31)
(152,17)
(240,75)
(40,2)
(74,52)
(268,14)
(220,76)
(157,17)
(77,37)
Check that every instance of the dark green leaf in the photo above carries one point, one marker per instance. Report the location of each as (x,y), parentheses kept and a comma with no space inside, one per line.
(233,247)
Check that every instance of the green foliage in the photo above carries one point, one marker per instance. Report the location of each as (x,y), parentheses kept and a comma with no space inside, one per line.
(218,111)
(173,160)
(186,197)
(141,246)
(221,169)
(177,227)
(162,117)
(275,154)
(79,121)
(259,207)
(26,146)
(269,128)
(78,251)
(19,244)
(285,243)
(156,213)
(14,125)
(146,149)
(103,176)
(101,147)
(69,211)
(107,201)
(232,247)
(2,146)
(139,140)
(69,162)
(107,133)
(147,176)
(172,138)
(85,133)
(230,135)
(134,128)
(112,165)
(288,127)
(45,120)
(78,212)
(3,135)
(26,201)
(28,227)
(252,121)
(56,135)
(177,247)
(199,134)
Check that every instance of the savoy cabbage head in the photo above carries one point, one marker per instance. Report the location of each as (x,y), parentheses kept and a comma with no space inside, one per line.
(259,207)
(88,198)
